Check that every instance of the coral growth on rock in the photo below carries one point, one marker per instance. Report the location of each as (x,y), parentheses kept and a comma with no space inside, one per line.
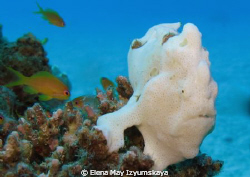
(109,102)
(62,145)
(65,142)
(27,56)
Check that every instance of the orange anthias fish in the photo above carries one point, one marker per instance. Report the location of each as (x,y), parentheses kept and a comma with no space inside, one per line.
(42,83)
(87,103)
(82,101)
(106,83)
(52,16)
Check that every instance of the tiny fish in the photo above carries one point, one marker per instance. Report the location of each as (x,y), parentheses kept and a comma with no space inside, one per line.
(82,101)
(106,83)
(52,16)
(87,104)
(42,83)
(44,41)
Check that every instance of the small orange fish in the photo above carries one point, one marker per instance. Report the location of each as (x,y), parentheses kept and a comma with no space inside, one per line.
(88,104)
(52,16)
(106,83)
(43,83)
(82,101)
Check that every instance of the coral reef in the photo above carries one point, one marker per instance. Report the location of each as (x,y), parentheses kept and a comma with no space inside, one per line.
(174,95)
(27,56)
(65,142)
(62,145)
(109,102)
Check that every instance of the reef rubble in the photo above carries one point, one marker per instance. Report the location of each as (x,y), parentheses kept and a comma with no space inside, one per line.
(57,139)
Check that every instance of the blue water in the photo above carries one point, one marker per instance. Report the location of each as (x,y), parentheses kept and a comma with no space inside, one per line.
(96,40)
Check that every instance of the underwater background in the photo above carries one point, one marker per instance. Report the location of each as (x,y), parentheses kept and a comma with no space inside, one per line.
(95,42)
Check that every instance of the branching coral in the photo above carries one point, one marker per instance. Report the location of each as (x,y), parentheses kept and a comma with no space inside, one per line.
(64,143)
(38,140)
(45,138)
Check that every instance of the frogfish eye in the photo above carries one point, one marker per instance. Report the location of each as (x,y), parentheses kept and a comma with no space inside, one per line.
(76,102)
(66,92)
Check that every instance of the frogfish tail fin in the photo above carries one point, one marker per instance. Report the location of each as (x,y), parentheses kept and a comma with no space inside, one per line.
(20,79)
